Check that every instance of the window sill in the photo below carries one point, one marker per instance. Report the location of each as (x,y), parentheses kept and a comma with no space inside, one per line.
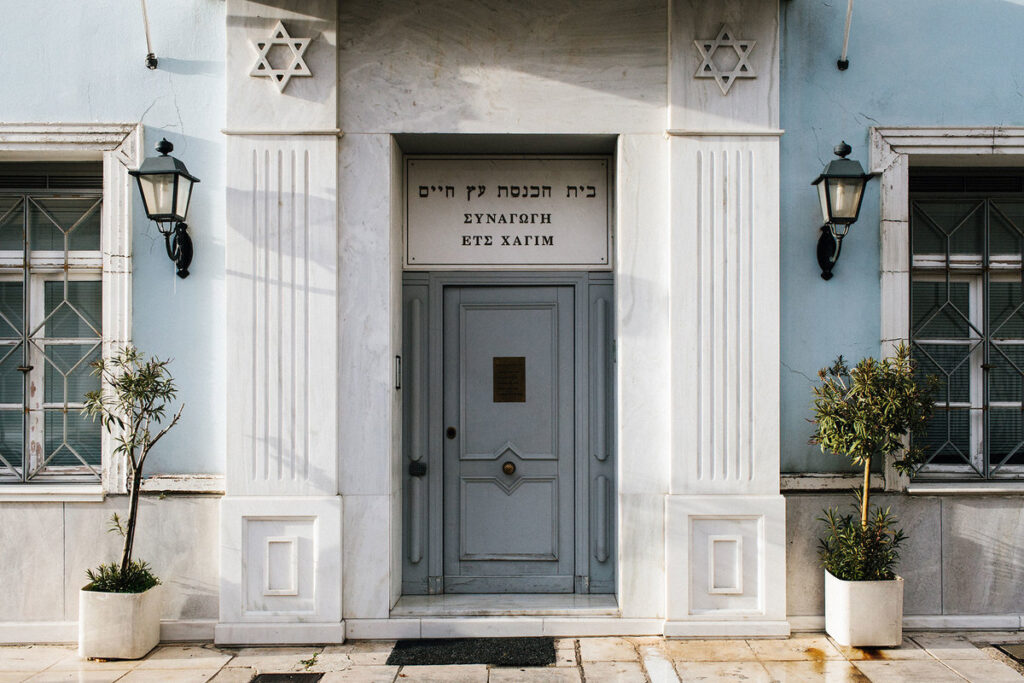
(51,493)
(809,482)
(977,488)
(212,484)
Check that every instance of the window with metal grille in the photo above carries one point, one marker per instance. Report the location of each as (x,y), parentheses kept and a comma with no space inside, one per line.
(967,319)
(50,321)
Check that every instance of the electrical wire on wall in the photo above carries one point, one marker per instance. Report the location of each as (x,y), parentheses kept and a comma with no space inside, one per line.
(843,62)
(151,60)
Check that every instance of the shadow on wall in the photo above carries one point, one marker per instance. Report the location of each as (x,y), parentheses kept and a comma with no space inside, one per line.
(182,319)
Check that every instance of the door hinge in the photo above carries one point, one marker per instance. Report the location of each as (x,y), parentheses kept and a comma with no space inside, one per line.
(398,373)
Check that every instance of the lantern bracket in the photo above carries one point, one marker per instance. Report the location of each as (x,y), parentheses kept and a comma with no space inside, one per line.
(829,246)
(179,247)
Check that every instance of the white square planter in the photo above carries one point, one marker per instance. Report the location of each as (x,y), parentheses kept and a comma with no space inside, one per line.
(864,613)
(118,625)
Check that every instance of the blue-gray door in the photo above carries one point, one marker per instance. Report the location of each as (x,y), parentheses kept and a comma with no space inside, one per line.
(508,449)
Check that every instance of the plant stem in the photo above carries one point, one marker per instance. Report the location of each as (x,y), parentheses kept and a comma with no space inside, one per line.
(129,536)
(864,494)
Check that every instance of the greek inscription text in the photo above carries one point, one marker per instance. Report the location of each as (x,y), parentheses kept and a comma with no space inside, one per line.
(506,218)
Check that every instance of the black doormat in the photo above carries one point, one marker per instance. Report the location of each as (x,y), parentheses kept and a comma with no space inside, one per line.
(1013,650)
(286,678)
(495,651)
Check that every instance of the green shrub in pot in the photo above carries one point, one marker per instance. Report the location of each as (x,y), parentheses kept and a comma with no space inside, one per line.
(119,609)
(866,413)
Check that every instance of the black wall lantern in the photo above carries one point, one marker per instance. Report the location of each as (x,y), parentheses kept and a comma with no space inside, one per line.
(840,190)
(166,188)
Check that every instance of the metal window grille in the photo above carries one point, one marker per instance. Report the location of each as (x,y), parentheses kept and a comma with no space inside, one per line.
(50,331)
(967,324)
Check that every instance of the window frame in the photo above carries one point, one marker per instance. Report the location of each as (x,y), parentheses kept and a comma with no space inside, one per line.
(978,271)
(893,150)
(119,146)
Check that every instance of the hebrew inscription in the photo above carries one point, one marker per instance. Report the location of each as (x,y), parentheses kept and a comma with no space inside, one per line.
(544,212)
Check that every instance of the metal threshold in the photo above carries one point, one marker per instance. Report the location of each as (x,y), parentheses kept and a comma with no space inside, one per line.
(506,605)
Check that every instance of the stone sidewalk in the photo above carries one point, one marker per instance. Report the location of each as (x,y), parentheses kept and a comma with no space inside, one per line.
(804,657)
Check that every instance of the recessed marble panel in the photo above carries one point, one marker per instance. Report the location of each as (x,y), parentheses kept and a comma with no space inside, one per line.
(176,535)
(279,565)
(982,555)
(725,564)
(365,267)
(530,67)
(366,583)
(920,563)
(36,530)
(642,556)
(642,323)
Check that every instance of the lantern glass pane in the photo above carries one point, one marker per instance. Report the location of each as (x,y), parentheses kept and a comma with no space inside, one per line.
(845,195)
(184,194)
(823,198)
(158,193)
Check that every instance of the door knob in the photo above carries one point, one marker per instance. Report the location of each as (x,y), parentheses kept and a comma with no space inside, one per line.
(450,432)
(509,468)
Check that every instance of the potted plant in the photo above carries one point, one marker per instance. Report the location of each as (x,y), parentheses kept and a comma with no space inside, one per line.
(866,413)
(119,609)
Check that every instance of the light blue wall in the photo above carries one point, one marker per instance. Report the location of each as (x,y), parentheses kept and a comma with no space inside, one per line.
(84,62)
(912,62)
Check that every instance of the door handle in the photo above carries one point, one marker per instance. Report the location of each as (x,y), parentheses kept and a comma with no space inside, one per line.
(417,468)
(450,432)
(509,468)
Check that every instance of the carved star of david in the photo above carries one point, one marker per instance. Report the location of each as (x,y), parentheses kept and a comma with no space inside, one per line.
(295,66)
(709,69)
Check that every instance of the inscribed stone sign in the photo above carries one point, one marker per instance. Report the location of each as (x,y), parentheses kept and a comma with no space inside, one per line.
(550,212)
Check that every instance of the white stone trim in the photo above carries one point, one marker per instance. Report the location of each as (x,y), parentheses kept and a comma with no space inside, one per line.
(119,146)
(930,622)
(826,481)
(206,484)
(750,132)
(977,488)
(279,634)
(494,627)
(89,140)
(184,483)
(51,493)
(893,149)
(34,632)
(328,132)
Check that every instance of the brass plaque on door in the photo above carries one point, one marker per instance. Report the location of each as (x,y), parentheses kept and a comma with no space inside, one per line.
(510,379)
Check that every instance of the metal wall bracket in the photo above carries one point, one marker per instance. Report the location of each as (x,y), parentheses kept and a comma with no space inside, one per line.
(828,252)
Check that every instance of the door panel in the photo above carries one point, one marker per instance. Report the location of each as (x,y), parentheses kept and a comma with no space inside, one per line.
(508,465)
